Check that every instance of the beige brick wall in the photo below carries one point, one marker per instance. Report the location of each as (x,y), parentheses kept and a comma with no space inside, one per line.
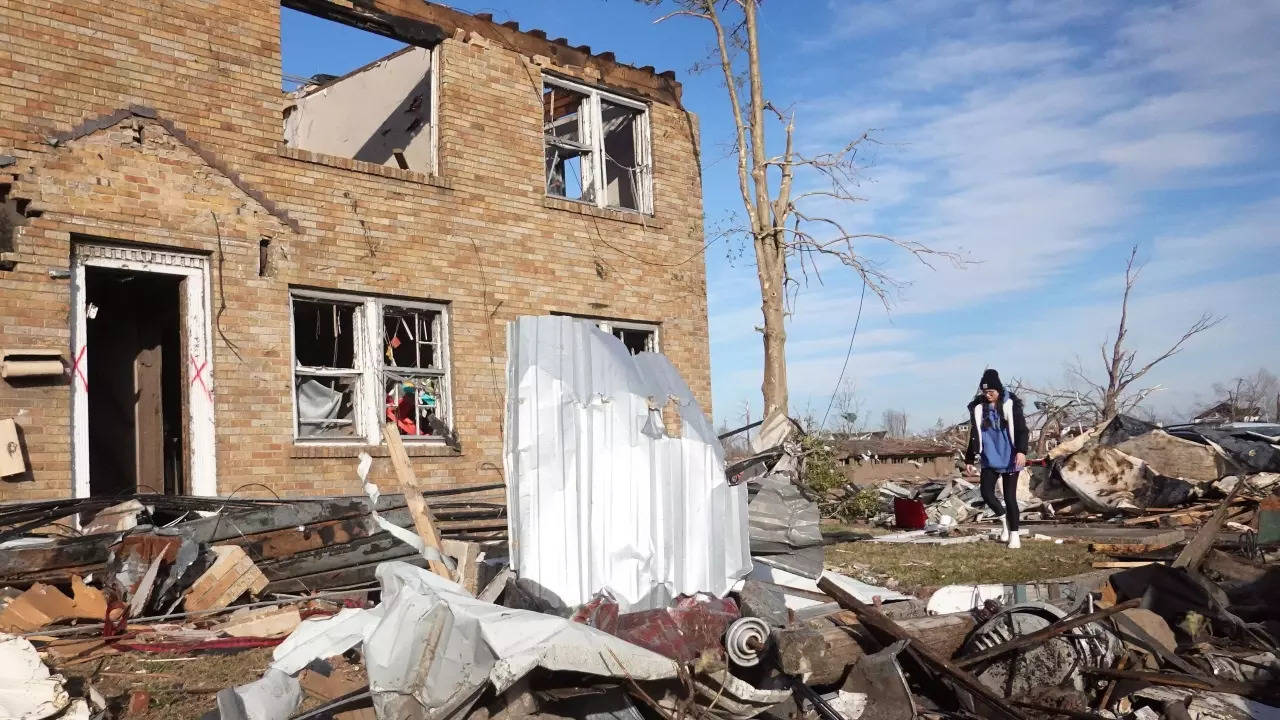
(481,237)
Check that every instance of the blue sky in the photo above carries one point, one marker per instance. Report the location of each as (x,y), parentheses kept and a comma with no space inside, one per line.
(1040,140)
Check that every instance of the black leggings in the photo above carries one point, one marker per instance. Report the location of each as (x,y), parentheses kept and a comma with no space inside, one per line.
(989,476)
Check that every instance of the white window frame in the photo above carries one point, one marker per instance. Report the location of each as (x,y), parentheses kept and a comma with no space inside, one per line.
(592,135)
(370,395)
(609,326)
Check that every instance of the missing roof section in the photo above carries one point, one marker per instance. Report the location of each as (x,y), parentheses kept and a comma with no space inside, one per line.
(426,23)
(380,114)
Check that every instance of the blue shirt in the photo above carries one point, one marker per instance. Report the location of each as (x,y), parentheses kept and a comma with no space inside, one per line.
(997,448)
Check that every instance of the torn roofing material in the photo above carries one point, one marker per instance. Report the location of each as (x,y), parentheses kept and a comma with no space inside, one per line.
(601,496)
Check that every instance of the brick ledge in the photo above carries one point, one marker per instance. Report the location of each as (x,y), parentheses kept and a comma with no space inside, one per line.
(626,216)
(363,167)
(300,450)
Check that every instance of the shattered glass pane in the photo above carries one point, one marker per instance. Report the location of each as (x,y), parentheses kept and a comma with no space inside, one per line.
(324,333)
(326,406)
(568,156)
(623,164)
(410,337)
(414,404)
(636,340)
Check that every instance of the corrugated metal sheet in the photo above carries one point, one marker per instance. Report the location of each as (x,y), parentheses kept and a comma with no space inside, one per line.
(597,503)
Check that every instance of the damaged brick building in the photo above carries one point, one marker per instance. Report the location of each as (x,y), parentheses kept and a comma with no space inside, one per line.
(209,285)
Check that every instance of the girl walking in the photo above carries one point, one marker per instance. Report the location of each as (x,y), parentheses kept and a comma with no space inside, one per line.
(998,437)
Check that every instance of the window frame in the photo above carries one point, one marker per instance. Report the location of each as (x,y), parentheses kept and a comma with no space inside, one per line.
(593,130)
(370,401)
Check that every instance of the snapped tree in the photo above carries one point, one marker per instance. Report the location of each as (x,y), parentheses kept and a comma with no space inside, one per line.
(781,220)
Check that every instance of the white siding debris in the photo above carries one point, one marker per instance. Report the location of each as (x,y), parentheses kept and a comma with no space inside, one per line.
(600,496)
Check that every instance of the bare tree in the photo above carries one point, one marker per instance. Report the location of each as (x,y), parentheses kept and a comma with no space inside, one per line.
(781,220)
(848,408)
(1256,394)
(1111,394)
(895,422)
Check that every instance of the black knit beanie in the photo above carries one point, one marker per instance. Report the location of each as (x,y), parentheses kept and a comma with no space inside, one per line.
(991,381)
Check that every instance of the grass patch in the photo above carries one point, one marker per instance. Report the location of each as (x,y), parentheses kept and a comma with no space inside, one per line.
(920,567)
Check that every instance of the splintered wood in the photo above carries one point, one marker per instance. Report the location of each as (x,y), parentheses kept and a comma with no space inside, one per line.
(232,575)
(418,509)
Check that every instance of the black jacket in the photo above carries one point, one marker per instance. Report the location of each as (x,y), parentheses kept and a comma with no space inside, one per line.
(1014,420)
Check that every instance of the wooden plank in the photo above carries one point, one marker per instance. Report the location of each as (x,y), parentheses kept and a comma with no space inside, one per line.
(928,661)
(417,504)
(1127,549)
(1120,564)
(231,575)
(1048,633)
(1193,554)
(342,578)
(494,589)
(466,556)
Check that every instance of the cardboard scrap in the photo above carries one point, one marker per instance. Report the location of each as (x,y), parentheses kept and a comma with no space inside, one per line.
(43,605)
(230,576)
(342,678)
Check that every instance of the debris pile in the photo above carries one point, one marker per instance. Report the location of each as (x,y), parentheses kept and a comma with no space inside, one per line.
(691,590)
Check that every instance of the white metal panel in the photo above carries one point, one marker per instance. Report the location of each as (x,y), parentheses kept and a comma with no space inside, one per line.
(594,502)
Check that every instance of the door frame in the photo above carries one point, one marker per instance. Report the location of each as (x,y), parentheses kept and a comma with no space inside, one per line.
(200,471)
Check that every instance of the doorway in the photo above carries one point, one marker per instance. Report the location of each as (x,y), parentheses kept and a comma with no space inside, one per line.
(142,383)
(135,409)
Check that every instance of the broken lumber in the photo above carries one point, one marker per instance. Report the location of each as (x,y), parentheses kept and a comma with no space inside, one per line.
(231,575)
(822,655)
(1039,636)
(1193,554)
(927,660)
(42,605)
(1121,564)
(418,507)
(264,622)
(466,556)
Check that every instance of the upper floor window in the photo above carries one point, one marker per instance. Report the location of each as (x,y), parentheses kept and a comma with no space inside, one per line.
(361,362)
(596,146)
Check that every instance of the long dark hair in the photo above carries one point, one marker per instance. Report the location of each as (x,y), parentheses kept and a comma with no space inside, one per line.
(986,419)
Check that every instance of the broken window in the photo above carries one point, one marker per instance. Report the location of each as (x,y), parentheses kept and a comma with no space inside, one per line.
(638,337)
(597,147)
(349,379)
(412,375)
(363,96)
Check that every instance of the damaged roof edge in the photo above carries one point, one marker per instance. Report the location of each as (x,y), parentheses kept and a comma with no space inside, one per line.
(426,24)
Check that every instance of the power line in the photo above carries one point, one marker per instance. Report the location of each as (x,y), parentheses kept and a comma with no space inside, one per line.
(847,353)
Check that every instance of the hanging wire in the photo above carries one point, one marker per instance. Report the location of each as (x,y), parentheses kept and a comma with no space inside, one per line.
(857,321)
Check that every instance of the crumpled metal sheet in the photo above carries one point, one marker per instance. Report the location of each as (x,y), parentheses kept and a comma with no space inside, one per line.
(601,497)
(430,648)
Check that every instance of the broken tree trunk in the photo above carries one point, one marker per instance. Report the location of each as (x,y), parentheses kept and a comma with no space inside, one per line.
(418,508)
(928,662)
(822,655)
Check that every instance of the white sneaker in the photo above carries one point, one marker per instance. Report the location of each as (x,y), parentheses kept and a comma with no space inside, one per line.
(1004,528)
(1015,541)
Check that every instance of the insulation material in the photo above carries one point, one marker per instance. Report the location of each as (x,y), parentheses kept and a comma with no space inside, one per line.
(430,649)
(27,690)
(603,495)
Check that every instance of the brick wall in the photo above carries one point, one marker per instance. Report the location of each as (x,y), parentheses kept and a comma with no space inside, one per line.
(481,236)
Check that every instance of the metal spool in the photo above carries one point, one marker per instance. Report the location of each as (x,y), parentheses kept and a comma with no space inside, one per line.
(745,641)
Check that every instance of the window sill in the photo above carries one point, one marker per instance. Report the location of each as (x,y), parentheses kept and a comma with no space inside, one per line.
(364,167)
(627,216)
(412,449)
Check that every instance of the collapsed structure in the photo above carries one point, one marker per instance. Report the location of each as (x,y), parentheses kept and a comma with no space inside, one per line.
(214,287)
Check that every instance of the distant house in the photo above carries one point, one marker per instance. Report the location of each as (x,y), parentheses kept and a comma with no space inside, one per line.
(868,460)
(1228,412)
